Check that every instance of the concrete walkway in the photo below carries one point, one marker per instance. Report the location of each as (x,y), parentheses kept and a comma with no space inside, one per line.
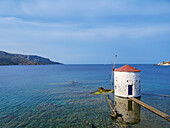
(156,111)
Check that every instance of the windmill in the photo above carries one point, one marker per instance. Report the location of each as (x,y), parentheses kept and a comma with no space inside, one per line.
(111,79)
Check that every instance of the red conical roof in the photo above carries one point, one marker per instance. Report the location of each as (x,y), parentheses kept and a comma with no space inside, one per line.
(127,68)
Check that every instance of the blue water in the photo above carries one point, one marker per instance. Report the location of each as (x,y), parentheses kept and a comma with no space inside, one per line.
(60,96)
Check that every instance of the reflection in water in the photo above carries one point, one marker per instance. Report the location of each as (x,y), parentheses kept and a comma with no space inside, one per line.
(125,112)
(129,110)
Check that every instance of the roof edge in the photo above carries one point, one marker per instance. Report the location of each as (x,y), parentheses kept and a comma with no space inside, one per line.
(127,68)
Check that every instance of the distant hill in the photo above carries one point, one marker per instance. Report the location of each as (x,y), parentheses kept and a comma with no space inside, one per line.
(19,59)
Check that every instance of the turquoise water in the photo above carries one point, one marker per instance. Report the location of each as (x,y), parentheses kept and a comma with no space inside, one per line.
(60,96)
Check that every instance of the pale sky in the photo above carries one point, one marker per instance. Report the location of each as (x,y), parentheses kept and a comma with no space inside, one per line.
(87,31)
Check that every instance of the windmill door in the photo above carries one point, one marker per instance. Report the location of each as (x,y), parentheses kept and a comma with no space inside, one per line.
(129,89)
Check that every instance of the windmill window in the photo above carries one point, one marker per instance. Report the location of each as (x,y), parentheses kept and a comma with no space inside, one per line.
(127,80)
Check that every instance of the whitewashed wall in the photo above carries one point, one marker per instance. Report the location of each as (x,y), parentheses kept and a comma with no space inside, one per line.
(123,79)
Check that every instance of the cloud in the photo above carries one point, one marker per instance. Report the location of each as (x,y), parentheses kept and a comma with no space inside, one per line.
(15,27)
(80,10)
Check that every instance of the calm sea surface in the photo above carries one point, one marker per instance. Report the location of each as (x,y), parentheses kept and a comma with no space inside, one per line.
(60,96)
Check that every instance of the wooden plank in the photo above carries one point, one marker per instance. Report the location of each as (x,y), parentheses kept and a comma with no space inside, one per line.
(156,111)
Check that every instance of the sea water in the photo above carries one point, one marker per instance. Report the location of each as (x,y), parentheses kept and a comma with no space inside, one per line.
(51,96)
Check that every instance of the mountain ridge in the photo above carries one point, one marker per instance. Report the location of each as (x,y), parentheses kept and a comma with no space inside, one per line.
(20,59)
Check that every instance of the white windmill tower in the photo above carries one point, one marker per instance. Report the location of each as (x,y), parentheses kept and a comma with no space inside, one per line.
(127,81)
